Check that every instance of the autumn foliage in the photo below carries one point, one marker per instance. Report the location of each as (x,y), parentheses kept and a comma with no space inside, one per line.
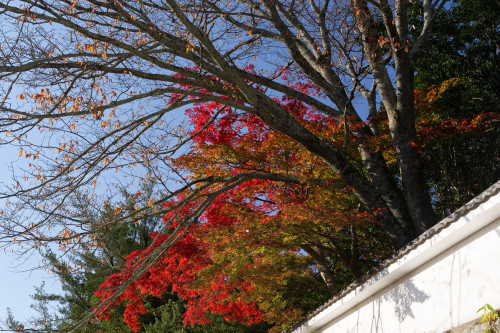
(279,183)
(250,242)
(251,231)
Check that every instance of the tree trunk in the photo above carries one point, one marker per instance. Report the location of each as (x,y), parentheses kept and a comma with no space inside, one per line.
(318,256)
(399,106)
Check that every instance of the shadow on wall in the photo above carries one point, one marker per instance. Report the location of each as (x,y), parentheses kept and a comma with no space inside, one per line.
(404,296)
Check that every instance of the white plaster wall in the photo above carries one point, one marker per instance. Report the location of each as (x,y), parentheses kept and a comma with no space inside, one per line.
(437,286)
(443,294)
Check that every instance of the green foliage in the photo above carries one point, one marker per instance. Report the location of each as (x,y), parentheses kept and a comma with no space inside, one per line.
(11,323)
(464,44)
(47,320)
(459,70)
(489,314)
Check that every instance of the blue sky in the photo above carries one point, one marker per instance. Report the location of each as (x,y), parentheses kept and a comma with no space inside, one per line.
(17,284)
(17,277)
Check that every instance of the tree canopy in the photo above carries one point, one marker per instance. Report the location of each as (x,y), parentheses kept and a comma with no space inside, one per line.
(272,129)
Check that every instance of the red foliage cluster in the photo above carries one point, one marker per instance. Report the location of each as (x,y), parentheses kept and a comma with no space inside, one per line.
(176,270)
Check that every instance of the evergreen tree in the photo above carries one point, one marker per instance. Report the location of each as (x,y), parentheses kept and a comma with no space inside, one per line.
(459,71)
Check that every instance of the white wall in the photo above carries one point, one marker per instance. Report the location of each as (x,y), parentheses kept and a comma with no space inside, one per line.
(438,285)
